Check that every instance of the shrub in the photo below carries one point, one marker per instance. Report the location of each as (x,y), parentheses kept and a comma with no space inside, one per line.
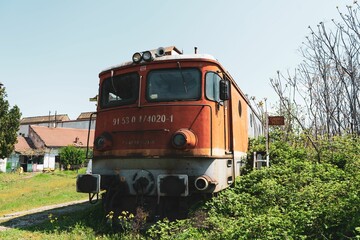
(296,198)
(71,155)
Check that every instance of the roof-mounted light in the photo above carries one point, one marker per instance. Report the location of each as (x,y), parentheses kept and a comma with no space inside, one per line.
(160,52)
(147,56)
(137,57)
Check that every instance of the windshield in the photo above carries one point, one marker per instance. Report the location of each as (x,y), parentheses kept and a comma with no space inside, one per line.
(174,85)
(120,90)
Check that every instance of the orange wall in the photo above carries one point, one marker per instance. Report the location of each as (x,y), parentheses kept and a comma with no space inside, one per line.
(239,122)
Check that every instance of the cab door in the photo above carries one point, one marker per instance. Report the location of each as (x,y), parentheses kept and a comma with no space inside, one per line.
(220,116)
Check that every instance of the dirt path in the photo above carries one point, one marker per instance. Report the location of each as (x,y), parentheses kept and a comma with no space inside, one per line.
(38,215)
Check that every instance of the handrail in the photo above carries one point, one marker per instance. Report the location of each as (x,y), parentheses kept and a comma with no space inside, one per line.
(88,138)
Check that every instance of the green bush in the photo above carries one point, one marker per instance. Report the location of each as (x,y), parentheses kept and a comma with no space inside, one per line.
(296,198)
(71,155)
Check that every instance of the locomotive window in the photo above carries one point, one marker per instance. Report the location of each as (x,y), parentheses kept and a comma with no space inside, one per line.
(212,86)
(240,108)
(120,90)
(173,85)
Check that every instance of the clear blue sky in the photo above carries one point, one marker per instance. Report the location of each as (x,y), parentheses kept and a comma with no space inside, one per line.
(51,52)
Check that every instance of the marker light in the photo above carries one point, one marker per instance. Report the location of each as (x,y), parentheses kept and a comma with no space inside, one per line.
(184,139)
(137,57)
(147,56)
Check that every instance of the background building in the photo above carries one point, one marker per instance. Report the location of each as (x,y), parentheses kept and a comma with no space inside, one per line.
(41,137)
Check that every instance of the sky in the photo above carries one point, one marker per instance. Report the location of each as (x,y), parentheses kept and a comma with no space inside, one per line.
(51,52)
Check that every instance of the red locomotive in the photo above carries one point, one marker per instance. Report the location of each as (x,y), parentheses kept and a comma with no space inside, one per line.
(170,128)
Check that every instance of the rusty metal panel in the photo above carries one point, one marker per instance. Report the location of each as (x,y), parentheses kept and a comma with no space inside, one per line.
(148,131)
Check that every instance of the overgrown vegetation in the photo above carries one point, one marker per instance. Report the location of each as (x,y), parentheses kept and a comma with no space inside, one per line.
(91,223)
(296,198)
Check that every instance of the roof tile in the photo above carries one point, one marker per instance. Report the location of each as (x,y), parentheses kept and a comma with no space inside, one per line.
(61,137)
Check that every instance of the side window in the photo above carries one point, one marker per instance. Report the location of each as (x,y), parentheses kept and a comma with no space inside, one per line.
(212,80)
(120,90)
(240,108)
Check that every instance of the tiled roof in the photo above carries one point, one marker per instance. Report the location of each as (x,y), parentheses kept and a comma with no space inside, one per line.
(22,145)
(61,137)
(25,146)
(45,119)
(85,116)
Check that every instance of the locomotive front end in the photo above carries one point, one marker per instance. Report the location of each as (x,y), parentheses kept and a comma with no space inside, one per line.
(162,131)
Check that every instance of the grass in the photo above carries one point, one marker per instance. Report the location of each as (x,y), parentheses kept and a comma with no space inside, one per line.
(31,190)
(25,191)
(88,224)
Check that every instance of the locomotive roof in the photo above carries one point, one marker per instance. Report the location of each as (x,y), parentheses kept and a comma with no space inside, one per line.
(175,54)
(167,57)
(172,53)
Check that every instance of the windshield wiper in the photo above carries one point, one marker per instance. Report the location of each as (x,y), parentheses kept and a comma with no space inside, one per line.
(182,76)
(112,84)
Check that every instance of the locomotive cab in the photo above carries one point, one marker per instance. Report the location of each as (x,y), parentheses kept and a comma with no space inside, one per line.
(169,126)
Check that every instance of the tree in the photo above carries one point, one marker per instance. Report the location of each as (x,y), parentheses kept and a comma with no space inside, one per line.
(328,79)
(71,155)
(9,125)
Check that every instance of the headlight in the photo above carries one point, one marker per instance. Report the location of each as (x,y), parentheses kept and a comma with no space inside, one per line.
(147,56)
(179,140)
(184,139)
(103,142)
(137,57)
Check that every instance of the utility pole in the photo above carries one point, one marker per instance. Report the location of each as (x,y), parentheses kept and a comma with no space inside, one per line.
(267,134)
